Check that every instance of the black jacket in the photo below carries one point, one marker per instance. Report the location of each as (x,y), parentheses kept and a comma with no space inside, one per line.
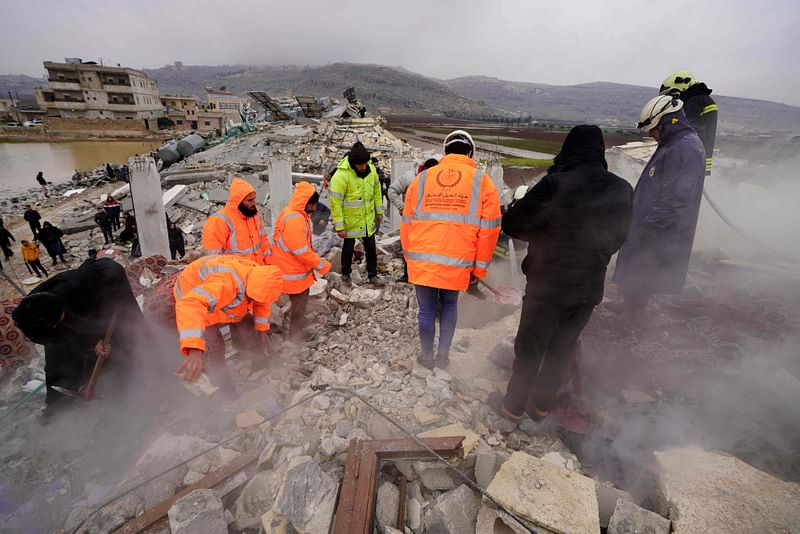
(102,219)
(574,220)
(701,112)
(50,234)
(32,216)
(5,236)
(175,237)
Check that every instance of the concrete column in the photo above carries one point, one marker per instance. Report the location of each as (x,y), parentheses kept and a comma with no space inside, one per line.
(280,186)
(400,168)
(495,171)
(151,221)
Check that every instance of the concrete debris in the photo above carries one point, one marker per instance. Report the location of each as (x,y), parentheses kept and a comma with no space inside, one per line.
(274,523)
(425,416)
(635,396)
(471,439)
(487,464)
(548,496)
(364,297)
(388,500)
(607,497)
(199,512)
(248,419)
(714,492)
(307,498)
(256,497)
(631,519)
(453,512)
(563,459)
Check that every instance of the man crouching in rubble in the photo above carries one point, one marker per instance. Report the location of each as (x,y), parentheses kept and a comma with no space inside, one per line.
(71,315)
(218,290)
(574,220)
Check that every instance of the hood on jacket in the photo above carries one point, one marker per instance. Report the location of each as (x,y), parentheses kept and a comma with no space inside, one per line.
(264,284)
(583,145)
(358,154)
(700,88)
(239,189)
(673,124)
(302,192)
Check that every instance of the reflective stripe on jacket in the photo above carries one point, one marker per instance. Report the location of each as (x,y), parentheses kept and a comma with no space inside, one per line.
(228,231)
(450,225)
(220,289)
(293,252)
(355,201)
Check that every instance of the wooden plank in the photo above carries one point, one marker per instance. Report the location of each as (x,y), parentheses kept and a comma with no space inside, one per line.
(401,507)
(209,481)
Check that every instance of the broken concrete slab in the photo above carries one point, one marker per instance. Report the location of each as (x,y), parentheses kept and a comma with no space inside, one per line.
(453,512)
(256,498)
(364,297)
(318,288)
(435,476)
(424,416)
(471,439)
(492,520)
(635,396)
(607,497)
(715,492)
(487,464)
(548,496)
(199,512)
(248,419)
(274,523)
(307,498)
(631,519)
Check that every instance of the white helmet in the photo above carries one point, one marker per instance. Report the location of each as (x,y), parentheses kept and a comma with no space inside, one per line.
(656,108)
(459,136)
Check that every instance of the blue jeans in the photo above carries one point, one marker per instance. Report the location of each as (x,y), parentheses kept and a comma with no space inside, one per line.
(429,299)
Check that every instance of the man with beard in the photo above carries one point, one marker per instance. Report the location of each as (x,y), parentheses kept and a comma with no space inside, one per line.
(238,229)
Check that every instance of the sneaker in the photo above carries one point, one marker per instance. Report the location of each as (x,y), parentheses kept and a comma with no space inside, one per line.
(497,405)
(347,281)
(376,281)
(441,361)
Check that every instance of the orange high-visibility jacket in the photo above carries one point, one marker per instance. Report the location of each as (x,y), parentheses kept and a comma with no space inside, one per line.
(292,251)
(450,224)
(228,231)
(30,252)
(223,289)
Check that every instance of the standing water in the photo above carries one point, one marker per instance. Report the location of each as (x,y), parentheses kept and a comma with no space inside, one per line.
(19,162)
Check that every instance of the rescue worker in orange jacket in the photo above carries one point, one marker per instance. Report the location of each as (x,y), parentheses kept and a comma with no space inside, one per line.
(450,225)
(238,228)
(293,252)
(218,290)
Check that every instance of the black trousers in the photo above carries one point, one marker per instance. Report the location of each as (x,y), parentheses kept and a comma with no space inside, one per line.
(108,234)
(35,227)
(7,250)
(37,266)
(543,348)
(297,314)
(370,251)
(177,251)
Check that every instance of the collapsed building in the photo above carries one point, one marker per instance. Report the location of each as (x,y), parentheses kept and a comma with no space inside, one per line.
(346,433)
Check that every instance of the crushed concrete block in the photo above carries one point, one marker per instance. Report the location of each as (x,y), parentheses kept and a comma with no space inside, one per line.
(491,520)
(274,523)
(199,512)
(307,498)
(248,419)
(471,439)
(631,519)
(434,475)
(487,464)
(453,512)
(256,498)
(364,297)
(546,495)
(343,428)
(386,505)
(414,514)
(714,492)
(424,416)
(339,297)
(318,288)
(607,497)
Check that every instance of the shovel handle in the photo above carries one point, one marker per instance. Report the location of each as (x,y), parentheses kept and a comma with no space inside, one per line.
(88,391)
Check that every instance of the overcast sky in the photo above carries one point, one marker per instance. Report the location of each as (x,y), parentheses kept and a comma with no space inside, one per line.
(743,48)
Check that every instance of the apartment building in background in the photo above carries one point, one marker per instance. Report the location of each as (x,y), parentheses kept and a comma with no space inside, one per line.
(187,113)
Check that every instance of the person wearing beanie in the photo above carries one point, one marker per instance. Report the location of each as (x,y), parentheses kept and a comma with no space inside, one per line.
(574,219)
(666,204)
(357,208)
(70,315)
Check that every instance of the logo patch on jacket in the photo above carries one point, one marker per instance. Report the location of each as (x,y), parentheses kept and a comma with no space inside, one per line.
(652,171)
(448,178)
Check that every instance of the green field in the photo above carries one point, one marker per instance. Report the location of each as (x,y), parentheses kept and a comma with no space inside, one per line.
(526,162)
(536,145)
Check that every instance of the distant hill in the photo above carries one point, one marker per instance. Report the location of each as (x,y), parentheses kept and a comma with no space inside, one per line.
(378,86)
(614,104)
(399,91)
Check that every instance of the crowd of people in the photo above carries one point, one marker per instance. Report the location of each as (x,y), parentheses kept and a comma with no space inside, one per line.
(574,220)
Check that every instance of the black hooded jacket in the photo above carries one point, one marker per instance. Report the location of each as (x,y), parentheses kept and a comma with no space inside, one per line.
(701,112)
(574,220)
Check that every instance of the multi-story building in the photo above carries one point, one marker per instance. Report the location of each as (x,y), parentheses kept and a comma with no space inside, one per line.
(78,89)
(224,101)
(187,113)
